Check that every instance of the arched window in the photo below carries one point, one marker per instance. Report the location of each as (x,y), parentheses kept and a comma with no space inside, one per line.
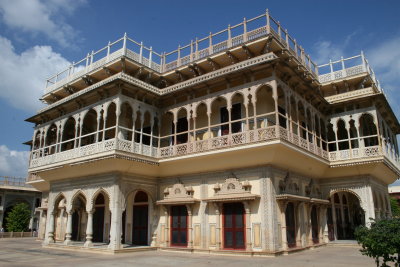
(368,130)
(342,135)
(331,138)
(89,126)
(68,135)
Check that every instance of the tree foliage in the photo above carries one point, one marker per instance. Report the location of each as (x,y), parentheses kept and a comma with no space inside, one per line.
(18,219)
(394,205)
(381,241)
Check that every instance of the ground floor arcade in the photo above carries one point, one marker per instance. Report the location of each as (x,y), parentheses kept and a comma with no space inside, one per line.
(261,209)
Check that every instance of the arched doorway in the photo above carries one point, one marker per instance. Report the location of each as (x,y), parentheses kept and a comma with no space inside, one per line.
(179,229)
(314,225)
(290,225)
(60,218)
(98,218)
(79,218)
(140,219)
(347,214)
(234,226)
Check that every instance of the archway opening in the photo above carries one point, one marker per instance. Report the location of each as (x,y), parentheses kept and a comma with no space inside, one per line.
(347,215)
(99,218)
(290,225)
(79,218)
(140,219)
(60,218)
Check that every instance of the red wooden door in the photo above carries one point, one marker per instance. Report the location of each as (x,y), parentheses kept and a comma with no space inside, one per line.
(179,226)
(234,232)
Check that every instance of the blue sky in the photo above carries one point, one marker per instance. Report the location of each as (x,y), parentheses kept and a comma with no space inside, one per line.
(40,37)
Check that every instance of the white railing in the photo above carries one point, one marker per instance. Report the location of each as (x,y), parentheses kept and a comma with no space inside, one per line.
(247,31)
(220,142)
(38,158)
(13,181)
(346,67)
(365,152)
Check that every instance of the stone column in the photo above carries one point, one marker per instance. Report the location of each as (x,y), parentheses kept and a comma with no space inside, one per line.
(166,232)
(116,220)
(68,233)
(335,230)
(189,226)
(248,226)
(218,226)
(89,229)
(282,207)
(50,233)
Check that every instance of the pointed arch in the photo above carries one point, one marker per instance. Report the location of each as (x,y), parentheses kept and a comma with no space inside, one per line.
(69,134)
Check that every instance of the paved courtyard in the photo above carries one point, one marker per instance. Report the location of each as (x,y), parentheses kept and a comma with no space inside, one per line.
(28,252)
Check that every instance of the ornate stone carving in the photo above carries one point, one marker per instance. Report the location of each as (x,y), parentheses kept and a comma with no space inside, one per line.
(232,186)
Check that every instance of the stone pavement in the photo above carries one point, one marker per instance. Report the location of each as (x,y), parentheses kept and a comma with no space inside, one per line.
(28,252)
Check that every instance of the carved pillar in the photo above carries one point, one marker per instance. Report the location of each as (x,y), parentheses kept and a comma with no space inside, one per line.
(189,139)
(190,226)
(68,233)
(104,124)
(282,207)
(218,226)
(117,114)
(229,108)
(167,231)
(246,106)
(116,220)
(151,135)
(297,223)
(76,131)
(335,230)
(275,97)
(194,130)
(50,228)
(141,132)
(98,126)
(209,124)
(80,132)
(89,229)
(254,102)
(248,225)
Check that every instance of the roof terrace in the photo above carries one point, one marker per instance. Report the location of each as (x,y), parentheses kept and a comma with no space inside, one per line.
(233,36)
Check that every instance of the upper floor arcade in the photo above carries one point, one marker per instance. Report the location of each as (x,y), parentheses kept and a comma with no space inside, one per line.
(265,113)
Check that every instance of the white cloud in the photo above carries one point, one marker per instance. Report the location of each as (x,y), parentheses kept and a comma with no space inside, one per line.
(13,163)
(41,16)
(385,60)
(326,50)
(23,75)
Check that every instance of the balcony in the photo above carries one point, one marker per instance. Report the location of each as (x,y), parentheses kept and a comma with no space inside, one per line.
(345,68)
(109,147)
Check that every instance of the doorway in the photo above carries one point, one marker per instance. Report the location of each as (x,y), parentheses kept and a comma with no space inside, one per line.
(179,226)
(234,226)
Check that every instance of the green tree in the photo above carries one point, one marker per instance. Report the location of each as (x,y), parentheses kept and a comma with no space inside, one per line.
(381,241)
(394,205)
(18,219)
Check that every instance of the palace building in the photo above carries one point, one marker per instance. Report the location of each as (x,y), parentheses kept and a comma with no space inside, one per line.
(236,141)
